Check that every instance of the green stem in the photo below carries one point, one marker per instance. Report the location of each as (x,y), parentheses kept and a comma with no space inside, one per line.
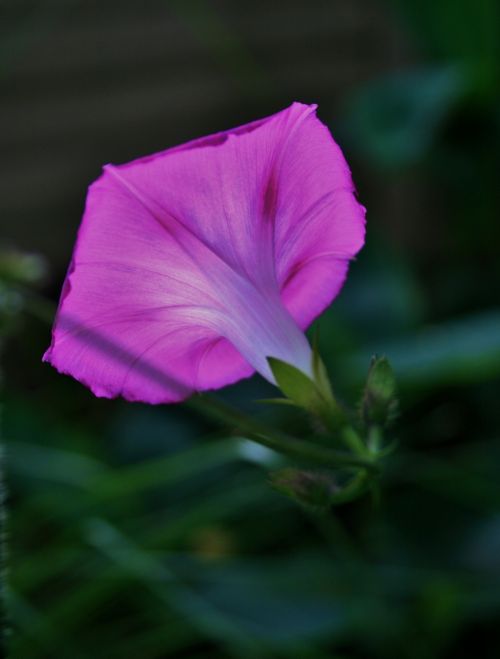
(354,489)
(215,409)
(275,439)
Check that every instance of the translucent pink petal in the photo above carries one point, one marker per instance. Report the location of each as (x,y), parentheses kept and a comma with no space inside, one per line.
(195,264)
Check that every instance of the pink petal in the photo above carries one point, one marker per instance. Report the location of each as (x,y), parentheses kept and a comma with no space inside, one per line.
(195,264)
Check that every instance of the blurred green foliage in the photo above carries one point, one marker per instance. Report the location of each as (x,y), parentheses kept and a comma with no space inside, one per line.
(139,531)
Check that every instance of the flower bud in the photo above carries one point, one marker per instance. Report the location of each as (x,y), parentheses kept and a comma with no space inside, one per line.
(312,489)
(379,403)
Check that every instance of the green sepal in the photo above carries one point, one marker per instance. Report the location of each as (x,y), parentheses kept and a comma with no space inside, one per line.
(295,384)
(320,373)
(314,396)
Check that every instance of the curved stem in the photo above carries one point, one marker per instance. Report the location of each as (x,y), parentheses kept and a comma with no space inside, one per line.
(353,489)
(223,413)
(276,440)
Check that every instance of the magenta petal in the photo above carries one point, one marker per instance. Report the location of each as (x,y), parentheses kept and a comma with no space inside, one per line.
(193,265)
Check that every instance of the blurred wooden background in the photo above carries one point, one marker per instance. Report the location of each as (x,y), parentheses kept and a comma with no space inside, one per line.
(83,83)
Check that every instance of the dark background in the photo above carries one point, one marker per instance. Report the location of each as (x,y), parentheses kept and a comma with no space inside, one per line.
(139,531)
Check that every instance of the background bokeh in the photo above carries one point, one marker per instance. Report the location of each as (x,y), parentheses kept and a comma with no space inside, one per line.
(139,531)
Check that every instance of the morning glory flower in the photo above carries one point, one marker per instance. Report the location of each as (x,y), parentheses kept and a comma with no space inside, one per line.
(194,265)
